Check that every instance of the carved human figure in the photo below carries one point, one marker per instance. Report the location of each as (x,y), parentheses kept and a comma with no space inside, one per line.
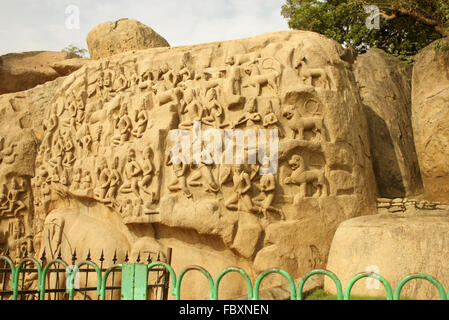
(69,157)
(192,109)
(120,81)
(76,179)
(103,181)
(86,181)
(132,173)
(214,110)
(251,116)
(141,119)
(15,204)
(115,180)
(147,170)
(240,198)
(3,199)
(267,190)
(124,125)
(180,181)
(97,139)
(50,124)
(7,155)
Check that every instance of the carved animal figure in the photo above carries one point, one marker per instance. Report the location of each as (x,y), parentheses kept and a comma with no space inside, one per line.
(301,177)
(300,124)
(258,80)
(308,74)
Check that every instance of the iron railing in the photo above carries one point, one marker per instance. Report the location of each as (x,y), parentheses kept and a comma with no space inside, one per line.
(29,279)
(170,279)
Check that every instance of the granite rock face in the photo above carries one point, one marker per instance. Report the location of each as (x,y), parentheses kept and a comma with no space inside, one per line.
(385,88)
(23,71)
(430,114)
(110,38)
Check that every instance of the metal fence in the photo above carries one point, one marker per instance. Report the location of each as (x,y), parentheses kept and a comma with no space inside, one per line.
(30,279)
(169,278)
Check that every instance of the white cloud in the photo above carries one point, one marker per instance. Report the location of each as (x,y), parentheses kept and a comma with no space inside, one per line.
(27,25)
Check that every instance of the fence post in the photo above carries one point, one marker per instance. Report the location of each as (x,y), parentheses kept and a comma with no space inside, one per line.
(134,281)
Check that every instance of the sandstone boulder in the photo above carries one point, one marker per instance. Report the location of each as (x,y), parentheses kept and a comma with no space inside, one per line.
(123,35)
(385,88)
(23,71)
(393,245)
(430,117)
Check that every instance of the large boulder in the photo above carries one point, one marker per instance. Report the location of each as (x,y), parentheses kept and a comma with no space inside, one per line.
(430,116)
(23,71)
(110,38)
(393,245)
(385,88)
(106,132)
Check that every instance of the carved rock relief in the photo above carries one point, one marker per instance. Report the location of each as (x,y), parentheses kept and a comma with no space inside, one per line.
(107,132)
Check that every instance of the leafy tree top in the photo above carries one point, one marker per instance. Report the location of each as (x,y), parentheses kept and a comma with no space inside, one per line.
(406,26)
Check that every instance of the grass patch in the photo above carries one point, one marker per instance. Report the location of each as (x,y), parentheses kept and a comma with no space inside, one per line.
(320,294)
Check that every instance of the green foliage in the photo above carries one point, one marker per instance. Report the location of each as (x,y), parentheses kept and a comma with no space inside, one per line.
(402,31)
(74,49)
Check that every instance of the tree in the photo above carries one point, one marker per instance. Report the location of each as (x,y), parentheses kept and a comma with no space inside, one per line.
(406,26)
(74,49)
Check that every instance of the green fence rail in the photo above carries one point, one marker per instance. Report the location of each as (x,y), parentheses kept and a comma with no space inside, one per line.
(296,292)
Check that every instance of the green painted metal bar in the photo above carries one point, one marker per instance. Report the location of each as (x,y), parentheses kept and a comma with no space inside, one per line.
(105,279)
(17,273)
(197,268)
(44,275)
(373,275)
(233,269)
(436,283)
(170,270)
(14,282)
(326,273)
(134,281)
(97,269)
(278,271)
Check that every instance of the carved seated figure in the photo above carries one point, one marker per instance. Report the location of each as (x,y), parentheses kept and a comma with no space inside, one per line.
(141,119)
(133,172)
(124,125)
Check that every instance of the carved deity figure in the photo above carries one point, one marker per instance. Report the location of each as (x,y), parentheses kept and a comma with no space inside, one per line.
(114,181)
(251,116)
(180,181)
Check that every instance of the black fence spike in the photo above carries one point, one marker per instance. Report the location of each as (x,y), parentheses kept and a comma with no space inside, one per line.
(88,256)
(102,256)
(7,252)
(59,254)
(26,253)
(149,258)
(159,256)
(114,259)
(74,257)
(43,256)
(138,257)
(126,257)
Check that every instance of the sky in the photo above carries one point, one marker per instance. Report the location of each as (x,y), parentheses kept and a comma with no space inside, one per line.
(31,25)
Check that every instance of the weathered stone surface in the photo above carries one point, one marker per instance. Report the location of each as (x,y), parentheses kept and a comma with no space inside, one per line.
(430,116)
(105,145)
(385,88)
(68,66)
(393,245)
(110,38)
(23,71)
